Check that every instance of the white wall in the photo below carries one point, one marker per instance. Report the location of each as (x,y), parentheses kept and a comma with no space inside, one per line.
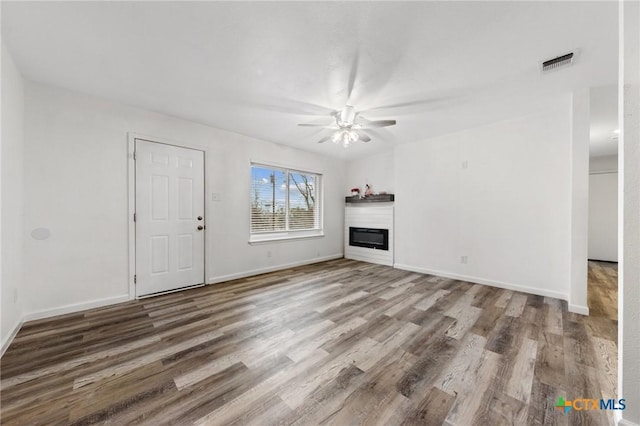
(579,193)
(377,171)
(606,163)
(603,216)
(76,186)
(12,232)
(629,218)
(498,194)
(603,208)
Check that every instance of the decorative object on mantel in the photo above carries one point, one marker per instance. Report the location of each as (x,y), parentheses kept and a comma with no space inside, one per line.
(374,198)
(367,190)
(355,192)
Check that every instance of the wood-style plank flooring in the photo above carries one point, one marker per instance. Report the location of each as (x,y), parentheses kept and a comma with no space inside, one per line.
(340,342)
(603,289)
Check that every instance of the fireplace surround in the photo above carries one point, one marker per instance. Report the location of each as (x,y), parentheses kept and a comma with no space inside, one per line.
(369,232)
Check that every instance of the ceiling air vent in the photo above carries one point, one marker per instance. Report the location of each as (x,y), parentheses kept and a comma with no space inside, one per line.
(555,63)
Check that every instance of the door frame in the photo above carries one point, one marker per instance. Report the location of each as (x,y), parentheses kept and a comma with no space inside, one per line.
(131,205)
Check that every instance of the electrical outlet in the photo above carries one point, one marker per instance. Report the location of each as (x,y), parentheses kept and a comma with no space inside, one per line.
(216,196)
(465,164)
(463,260)
(269,253)
(15,295)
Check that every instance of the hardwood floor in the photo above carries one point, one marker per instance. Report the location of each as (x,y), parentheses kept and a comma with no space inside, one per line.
(340,342)
(603,289)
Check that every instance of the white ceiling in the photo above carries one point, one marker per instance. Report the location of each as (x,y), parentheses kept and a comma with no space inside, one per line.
(260,68)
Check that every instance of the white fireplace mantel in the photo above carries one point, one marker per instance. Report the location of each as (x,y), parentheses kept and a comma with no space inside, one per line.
(373,215)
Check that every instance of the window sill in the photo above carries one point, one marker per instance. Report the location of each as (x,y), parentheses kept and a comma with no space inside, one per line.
(284,236)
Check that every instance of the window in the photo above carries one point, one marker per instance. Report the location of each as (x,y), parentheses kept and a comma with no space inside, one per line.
(284,203)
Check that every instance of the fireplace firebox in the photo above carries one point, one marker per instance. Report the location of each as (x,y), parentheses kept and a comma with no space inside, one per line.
(373,238)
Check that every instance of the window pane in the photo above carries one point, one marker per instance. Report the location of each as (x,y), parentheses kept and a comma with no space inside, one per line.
(268,199)
(302,201)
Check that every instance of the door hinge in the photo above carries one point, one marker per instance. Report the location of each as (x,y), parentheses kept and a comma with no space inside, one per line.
(134,155)
(135,279)
(134,217)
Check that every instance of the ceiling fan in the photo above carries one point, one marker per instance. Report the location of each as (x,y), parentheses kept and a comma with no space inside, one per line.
(349,126)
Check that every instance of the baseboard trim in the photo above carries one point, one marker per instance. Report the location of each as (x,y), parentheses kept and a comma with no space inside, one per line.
(223,278)
(476,280)
(368,259)
(579,309)
(605,261)
(10,337)
(76,307)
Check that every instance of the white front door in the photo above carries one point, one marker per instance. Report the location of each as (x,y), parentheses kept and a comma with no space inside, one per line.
(169,217)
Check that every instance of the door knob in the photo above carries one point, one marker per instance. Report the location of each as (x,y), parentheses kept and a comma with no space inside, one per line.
(199,217)
(200,227)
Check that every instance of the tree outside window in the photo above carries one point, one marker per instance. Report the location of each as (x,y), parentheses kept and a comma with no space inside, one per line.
(283,200)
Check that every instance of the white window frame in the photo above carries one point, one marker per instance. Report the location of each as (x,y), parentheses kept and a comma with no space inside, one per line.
(271,236)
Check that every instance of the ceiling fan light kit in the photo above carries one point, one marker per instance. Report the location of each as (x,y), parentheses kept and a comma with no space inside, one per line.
(345,136)
(348,127)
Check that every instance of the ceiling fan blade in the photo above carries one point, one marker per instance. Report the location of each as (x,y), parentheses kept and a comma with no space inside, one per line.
(353,72)
(316,125)
(363,137)
(430,101)
(382,134)
(404,104)
(289,106)
(323,140)
(372,124)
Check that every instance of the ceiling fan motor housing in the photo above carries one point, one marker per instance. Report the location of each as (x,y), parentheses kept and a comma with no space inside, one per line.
(346,117)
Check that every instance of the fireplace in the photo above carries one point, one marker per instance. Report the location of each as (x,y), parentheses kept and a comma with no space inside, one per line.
(368,232)
(373,238)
